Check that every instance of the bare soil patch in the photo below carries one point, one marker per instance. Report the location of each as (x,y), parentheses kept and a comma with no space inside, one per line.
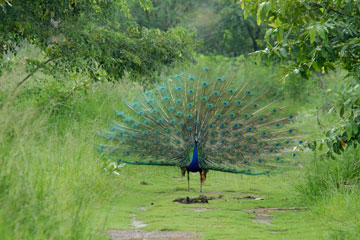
(200,199)
(263,214)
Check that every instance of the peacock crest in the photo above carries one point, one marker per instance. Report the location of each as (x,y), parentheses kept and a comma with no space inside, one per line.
(205,121)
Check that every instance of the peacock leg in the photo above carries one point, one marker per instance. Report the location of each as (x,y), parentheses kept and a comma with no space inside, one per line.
(188,177)
(201,180)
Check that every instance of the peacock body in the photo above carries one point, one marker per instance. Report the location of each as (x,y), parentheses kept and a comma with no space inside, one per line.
(204,121)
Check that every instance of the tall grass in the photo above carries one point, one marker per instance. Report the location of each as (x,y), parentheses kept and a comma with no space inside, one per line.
(340,213)
(324,177)
(51,177)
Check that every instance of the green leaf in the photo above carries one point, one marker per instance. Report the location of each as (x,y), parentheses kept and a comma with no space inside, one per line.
(258,14)
(246,12)
(312,33)
(355,128)
(280,35)
(283,52)
(258,19)
(342,110)
(316,67)
(324,53)
(266,9)
(348,129)
(268,33)
(321,31)
(329,143)
(330,65)
(343,50)
(349,6)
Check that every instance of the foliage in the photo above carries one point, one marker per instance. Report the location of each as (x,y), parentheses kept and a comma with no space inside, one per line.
(232,35)
(348,132)
(164,14)
(311,35)
(3,3)
(326,176)
(219,23)
(92,36)
(317,36)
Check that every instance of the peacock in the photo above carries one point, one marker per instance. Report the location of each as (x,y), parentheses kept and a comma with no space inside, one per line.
(204,121)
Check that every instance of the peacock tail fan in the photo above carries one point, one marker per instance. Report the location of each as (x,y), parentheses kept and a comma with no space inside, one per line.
(239,127)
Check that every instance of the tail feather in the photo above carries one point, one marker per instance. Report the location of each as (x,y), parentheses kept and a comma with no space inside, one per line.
(239,129)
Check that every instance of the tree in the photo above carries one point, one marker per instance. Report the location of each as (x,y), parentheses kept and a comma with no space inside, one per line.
(311,35)
(220,24)
(233,35)
(317,36)
(93,35)
(164,14)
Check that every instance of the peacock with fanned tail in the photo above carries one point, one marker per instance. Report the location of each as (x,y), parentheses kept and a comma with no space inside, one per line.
(204,122)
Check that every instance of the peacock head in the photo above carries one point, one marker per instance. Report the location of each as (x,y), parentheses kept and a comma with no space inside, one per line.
(196,138)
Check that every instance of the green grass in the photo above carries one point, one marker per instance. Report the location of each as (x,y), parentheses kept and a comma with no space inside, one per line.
(51,177)
(55,185)
(47,181)
(226,218)
(340,212)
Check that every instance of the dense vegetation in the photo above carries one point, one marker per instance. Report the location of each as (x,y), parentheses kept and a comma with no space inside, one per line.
(98,38)
(315,36)
(70,62)
(220,25)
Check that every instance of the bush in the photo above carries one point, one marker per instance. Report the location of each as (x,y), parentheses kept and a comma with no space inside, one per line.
(324,176)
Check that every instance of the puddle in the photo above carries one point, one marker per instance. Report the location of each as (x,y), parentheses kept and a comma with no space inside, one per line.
(235,192)
(200,209)
(226,191)
(153,235)
(263,216)
(177,178)
(142,208)
(138,224)
(277,231)
(250,197)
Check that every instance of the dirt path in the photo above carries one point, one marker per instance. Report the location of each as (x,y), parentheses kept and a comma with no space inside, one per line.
(153,235)
(229,208)
(136,234)
(262,215)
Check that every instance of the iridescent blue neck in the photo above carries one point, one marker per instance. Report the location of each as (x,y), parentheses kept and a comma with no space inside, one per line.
(194,165)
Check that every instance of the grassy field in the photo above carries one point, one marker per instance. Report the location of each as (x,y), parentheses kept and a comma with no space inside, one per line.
(229,217)
(55,185)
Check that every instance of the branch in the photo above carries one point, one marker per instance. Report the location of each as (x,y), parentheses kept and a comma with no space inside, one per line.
(35,70)
(24,80)
(330,9)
